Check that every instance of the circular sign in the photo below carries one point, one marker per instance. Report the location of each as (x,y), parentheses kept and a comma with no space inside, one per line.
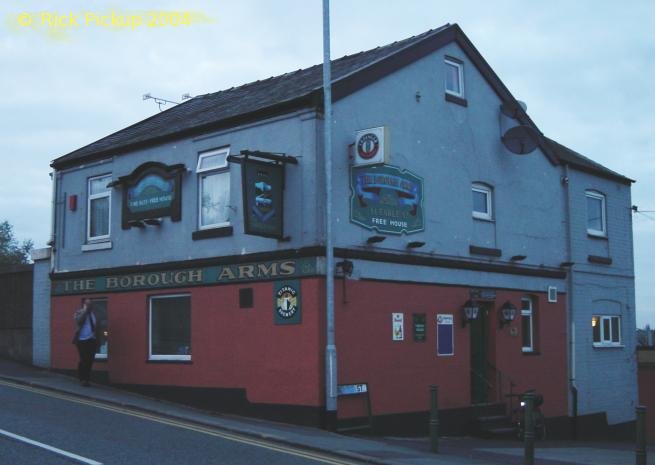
(286,304)
(368,146)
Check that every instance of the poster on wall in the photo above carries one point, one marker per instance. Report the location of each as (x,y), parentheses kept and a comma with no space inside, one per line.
(263,184)
(418,324)
(398,329)
(286,302)
(386,199)
(445,336)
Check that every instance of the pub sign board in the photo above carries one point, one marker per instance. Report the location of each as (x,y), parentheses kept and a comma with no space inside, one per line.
(286,302)
(263,207)
(151,191)
(387,199)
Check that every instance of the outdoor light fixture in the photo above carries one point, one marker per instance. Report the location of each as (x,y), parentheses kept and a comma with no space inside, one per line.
(507,313)
(136,224)
(470,312)
(346,267)
(518,258)
(415,244)
(375,239)
(153,221)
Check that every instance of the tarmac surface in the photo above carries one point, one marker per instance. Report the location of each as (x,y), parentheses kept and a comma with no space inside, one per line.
(375,450)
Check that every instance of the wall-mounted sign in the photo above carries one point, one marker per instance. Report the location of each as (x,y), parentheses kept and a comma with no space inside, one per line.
(445,336)
(483,294)
(201,276)
(286,302)
(371,146)
(387,199)
(152,190)
(398,327)
(263,185)
(418,324)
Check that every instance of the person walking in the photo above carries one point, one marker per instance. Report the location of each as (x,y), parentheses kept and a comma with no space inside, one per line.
(85,340)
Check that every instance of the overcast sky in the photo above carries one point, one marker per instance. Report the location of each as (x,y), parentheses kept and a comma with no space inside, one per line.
(586,70)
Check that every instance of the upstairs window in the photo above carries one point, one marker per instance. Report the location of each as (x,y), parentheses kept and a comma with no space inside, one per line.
(98,208)
(606,330)
(454,77)
(213,189)
(596,222)
(482,203)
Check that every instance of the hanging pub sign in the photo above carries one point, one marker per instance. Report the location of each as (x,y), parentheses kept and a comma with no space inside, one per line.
(263,184)
(387,199)
(151,191)
(286,302)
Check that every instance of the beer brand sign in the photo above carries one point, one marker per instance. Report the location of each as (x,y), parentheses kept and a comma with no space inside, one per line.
(386,199)
(201,276)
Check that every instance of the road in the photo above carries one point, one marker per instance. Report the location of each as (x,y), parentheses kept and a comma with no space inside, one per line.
(38,426)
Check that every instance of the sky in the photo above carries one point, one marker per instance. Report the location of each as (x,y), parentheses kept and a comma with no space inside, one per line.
(584,68)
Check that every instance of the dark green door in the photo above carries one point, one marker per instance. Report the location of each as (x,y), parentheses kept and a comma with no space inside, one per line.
(479,330)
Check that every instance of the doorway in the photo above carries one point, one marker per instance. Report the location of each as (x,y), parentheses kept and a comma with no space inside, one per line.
(479,335)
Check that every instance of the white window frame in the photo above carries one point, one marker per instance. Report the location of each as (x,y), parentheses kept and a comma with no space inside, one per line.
(100,356)
(91,197)
(606,339)
(205,172)
(488,191)
(603,220)
(527,313)
(167,356)
(460,76)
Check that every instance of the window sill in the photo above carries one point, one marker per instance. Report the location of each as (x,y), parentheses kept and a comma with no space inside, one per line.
(91,246)
(102,358)
(476,250)
(171,360)
(210,233)
(596,235)
(599,260)
(531,352)
(608,346)
(483,218)
(455,99)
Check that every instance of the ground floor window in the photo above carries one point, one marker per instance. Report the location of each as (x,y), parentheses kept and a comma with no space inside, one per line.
(606,330)
(170,327)
(100,311)
(527,324)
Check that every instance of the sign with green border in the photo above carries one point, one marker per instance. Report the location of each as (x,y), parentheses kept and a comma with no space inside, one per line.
(387,199)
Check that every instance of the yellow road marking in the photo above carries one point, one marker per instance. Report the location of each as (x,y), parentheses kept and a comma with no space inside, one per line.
(235,437)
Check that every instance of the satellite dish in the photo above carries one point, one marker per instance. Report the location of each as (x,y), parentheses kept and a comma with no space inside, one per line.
(520,139)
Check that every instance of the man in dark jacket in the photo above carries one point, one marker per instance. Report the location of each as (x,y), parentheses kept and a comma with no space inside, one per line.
(86,340)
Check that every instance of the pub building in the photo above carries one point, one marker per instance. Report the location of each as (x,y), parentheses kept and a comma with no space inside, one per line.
(472,252)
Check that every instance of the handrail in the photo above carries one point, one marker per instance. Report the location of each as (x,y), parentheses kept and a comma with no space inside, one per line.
(482,377)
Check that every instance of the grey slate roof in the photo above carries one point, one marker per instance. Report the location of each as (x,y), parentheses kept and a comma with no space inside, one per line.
(298,89)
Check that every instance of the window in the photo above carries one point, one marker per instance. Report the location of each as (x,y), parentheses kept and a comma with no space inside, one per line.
(170,327)
(214,189)
(100,311)
(596,213)
(454,80)
(98,208)
(527,325)
(482,202)
(606,330)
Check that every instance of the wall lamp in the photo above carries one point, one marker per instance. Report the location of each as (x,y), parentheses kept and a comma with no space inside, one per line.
(346,267)
(507,314)
(415,244)
(518,258)
(375,239)
(470,312)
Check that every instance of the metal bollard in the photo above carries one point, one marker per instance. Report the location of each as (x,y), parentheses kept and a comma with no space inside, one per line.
(528,428)
(434,419)
(640,450)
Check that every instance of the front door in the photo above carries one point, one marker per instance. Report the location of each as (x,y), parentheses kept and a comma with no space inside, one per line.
(479,333)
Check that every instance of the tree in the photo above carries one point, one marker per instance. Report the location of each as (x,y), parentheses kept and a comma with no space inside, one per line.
(11,252)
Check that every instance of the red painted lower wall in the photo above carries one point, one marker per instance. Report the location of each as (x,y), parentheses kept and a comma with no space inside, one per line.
(234,347)
(399,372)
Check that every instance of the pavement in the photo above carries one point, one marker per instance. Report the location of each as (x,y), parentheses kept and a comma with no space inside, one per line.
(374,450)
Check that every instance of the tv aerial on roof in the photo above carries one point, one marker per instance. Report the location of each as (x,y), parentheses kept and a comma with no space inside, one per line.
(162,101)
